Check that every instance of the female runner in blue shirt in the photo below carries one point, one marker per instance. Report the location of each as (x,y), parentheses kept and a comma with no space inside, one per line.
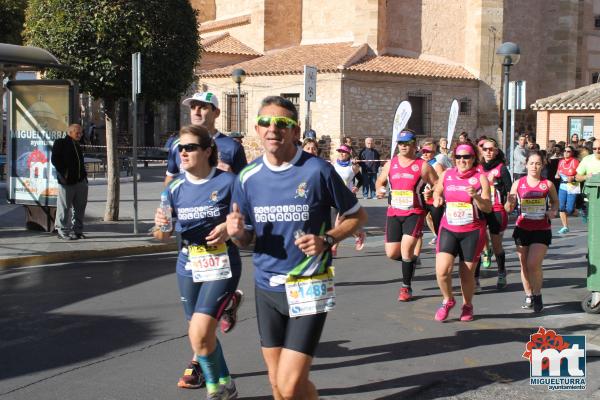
(208,265)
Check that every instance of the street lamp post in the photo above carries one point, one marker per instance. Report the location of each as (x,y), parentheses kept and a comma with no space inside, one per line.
(238,75)
(510,52)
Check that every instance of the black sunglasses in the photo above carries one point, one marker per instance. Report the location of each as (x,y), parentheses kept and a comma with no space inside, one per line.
(463,156)
(189,147)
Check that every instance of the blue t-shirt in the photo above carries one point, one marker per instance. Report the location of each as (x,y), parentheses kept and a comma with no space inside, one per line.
(173,159)
(279,201)
(199,207)
(230,152)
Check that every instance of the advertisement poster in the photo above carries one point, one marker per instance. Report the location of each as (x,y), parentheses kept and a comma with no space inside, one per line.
(575,126)
(588,132)
(39,113)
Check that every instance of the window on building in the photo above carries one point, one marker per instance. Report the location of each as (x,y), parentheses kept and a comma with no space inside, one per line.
(597,21)
(464,106)
(295,99)
(595,77)
(231,112)
(420,119)
(582,127)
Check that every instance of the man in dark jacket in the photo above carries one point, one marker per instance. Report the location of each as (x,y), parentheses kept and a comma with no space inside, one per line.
(67,159)
(369,169)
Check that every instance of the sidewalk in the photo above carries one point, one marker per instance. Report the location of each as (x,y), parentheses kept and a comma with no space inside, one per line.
(22,247)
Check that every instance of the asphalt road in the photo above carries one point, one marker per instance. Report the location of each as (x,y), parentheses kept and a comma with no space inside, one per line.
(114,329)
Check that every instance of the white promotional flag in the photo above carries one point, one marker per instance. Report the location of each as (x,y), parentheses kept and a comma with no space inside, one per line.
(401,118)
(452,121)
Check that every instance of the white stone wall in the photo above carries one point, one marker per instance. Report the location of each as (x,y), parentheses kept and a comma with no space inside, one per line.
(370,102)
(362,105)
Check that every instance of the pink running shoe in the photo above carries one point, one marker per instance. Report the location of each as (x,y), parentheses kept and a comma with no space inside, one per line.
(442,312)
(405,294)
(467,313)
(360,241)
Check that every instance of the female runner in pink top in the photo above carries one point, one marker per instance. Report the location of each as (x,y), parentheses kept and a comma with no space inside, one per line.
(532,234)
(406,212)
(466,193)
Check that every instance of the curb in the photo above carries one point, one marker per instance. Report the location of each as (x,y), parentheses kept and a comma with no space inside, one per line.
(83,255)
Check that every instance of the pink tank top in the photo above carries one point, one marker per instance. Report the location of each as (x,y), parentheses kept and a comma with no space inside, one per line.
(406,187)
(493,175)
(533,201)
(461,214)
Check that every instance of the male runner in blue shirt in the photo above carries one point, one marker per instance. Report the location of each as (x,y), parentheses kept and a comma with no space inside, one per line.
(204,110)
(282,201)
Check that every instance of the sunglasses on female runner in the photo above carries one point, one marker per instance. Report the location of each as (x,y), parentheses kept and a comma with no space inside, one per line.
(463,156)
(280,122)
(487,148)
(189,147)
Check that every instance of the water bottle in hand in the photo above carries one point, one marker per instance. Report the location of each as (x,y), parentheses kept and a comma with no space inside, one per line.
(165,206)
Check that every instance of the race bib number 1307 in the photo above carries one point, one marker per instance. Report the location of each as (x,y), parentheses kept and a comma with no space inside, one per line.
(209,263)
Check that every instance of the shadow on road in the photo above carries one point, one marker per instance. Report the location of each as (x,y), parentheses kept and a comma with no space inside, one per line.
(33,337)
(439,383)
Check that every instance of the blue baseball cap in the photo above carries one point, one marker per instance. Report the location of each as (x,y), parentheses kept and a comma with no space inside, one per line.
(310,134)
(406,136)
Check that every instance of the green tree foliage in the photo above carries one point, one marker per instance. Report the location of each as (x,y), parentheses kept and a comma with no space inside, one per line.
(96,39)
(12,16)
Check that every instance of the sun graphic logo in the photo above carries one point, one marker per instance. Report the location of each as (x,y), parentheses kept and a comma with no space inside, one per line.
(556,361)
(302,190)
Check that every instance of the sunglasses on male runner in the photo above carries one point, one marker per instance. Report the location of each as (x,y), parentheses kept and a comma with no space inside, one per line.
(280,122)
(189,147)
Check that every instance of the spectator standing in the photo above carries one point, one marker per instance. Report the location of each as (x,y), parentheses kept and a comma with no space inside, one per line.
(552,164)
(574,140)
(91,134)
(519,157)
(590,165)
(67,158)
(569,188)
(310,145)
(369,169)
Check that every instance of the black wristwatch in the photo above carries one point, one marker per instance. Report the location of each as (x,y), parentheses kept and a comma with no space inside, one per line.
(329,241)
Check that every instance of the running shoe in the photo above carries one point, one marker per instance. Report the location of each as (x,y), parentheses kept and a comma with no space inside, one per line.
(501,284)
(527,303)
(477,286)
(192,377)
(442,312)
(486,259)
(467,313)
(563,230)
(229,317)
(433,241)
(360,241)
(538,304)
(405,294)
(225,392)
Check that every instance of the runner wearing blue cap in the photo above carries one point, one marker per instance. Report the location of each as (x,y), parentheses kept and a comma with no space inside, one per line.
(407,176)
